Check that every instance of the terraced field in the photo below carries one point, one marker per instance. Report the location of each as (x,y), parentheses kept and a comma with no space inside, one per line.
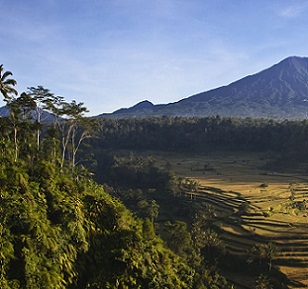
(254,205)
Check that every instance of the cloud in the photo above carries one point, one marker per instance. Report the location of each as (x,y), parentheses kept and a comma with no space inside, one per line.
(293,10)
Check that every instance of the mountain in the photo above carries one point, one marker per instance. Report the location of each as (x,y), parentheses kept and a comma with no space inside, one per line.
(278,92)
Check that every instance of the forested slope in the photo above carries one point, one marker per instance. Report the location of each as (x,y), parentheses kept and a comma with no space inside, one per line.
(60,229)
(57,232)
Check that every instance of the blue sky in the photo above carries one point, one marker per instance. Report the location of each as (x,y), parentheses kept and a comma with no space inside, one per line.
(111,54)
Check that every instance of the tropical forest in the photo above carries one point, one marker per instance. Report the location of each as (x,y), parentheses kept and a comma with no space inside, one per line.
(149,202)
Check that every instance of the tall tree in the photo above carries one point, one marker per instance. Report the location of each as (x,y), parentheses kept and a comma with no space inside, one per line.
(7,90)
(21,120)
(54,106)
(6,84)
(85,128)
(74,130)
(42,98)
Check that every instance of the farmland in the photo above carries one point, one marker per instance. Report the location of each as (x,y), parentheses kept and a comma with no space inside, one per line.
(253,204)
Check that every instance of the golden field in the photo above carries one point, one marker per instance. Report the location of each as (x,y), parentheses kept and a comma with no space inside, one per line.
(271,199)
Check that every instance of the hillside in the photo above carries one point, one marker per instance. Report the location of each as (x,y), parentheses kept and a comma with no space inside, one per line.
(60,229)
(280,91)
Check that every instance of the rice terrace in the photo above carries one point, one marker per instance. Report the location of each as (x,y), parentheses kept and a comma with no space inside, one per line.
(254,205)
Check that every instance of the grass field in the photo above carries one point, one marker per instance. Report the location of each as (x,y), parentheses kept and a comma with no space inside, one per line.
(274,204)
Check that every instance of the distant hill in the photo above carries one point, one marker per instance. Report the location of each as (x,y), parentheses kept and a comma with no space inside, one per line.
(278,92)
(143,107)
(45,117)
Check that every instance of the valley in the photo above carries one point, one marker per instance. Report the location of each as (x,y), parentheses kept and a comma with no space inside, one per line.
(156,202)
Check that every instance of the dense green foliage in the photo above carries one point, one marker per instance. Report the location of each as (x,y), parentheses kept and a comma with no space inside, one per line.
(57,232)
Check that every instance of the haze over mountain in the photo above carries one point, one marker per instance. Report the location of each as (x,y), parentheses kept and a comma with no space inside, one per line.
(280,91)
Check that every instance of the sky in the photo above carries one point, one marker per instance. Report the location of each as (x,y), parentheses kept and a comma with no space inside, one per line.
(111,54)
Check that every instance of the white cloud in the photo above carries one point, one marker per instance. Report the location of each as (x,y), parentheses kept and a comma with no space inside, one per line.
(293,10)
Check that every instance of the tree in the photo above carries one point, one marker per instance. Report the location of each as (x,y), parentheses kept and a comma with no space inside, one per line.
(148,209)
(180,241)
(54,106)
(84,128)
(6,84)
(212,248)
(41,97)
(153,210)
(25,106)
(21,122)
(21,119)
(264,253)
(74,130)
(271,251)
(7,90)
(13,107)
(209,213)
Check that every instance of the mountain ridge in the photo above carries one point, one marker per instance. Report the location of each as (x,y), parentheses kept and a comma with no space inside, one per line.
(280,91)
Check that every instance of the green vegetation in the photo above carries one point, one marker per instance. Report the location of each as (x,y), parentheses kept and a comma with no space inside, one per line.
(195,218)
(59,229)
(57,232)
